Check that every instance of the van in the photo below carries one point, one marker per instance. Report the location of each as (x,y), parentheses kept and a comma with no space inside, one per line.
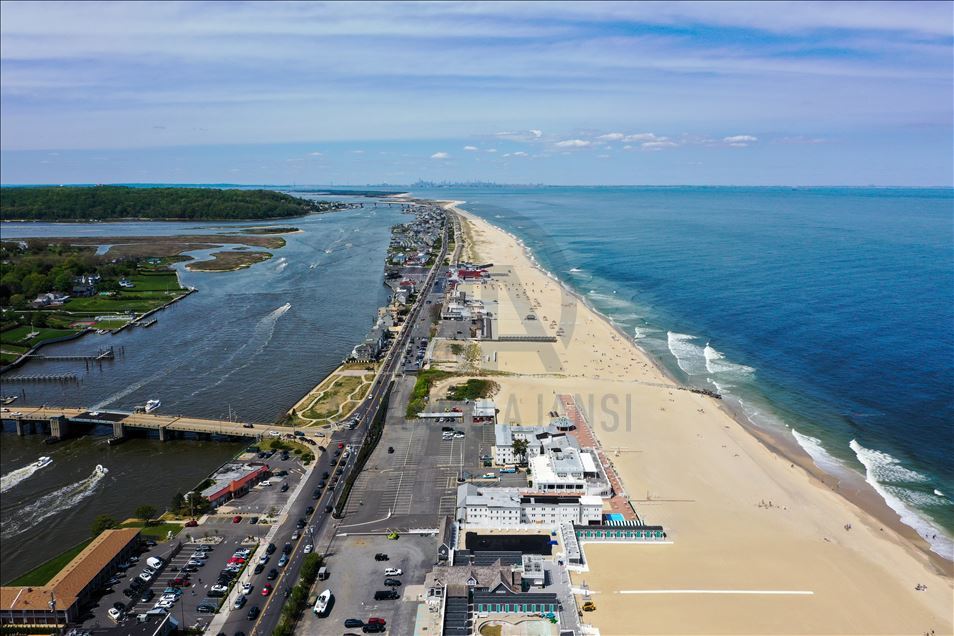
(154,562)
(322,573)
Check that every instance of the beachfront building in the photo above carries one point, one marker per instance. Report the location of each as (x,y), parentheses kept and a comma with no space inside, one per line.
(485,411)
(567,469)
(514,507)
(538,439)
(61,600)
(234,480)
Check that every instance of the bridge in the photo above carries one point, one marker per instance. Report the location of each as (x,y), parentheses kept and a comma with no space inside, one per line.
(61,422)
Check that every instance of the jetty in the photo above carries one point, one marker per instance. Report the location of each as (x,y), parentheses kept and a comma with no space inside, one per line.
(61,423)
(105,354)
(49,377)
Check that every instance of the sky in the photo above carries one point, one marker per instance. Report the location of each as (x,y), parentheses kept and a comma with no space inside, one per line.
(586,93)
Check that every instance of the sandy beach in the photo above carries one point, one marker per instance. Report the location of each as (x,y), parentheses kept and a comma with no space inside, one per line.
(759,543)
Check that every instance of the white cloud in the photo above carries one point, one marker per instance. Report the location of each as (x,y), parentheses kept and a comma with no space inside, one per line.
(520,153)
(357,152)
(536,133)
(740,141)
(491,150)
(574,143)
(612,137)
(440,155)
(314,154)
(470,148)
(639,137)
(658,145)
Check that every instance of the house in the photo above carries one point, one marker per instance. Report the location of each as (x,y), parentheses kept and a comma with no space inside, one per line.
(49,299)
(125,282)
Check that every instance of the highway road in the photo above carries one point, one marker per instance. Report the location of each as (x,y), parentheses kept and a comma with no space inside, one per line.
(271,609)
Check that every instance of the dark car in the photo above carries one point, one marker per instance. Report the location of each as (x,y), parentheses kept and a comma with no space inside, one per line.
(353,622)
(287,548)
(373,628)
(119,606)
(284,487)
(325,475)
(150,543)
(129,592)
(309,510)
(380,556)
(322,483)
(147,596)
(390,449)
(392,582)
(272,575)
(339,472)
(253,520)
(316,494)
(253,612)
(270,549)
(328,508)
(300,524)
(258,568)
(386,595)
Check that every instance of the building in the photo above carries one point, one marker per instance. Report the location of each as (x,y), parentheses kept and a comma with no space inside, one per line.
(568,469)
(60,601)
(538,438)
(50,299)
(514,507)
(447,539)
(234,480)
(485,411)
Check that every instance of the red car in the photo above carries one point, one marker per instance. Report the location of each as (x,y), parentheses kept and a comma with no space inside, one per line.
(266,589)
(181,581)
(237,519)
(377,620)
(191,523)
(236,560)
(340,445)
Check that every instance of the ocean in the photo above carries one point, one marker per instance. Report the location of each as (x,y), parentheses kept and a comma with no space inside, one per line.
(827,311)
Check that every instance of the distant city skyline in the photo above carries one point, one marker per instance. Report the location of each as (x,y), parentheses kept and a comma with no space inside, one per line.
(563,93)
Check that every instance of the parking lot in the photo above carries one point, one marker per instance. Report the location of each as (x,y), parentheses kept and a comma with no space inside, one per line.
(354,576)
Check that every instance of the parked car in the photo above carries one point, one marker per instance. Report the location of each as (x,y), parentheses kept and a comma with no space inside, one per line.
(147,596)
(392,582)
(380,556)
(237,519)
(115,614)
(386,595)
(353,622)
(393,572)
(270,548)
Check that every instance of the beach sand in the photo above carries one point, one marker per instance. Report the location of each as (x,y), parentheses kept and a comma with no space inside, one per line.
(743,520)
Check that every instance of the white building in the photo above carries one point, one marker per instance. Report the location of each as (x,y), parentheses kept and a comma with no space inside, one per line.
(485,410)
(512,507)
(568,469)
(537,437)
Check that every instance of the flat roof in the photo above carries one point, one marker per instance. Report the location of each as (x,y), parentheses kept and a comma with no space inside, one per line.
(74,577)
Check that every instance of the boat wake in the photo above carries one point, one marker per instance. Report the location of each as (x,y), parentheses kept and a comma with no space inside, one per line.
(894,483)
(281,264)
(51,504)
(14,477)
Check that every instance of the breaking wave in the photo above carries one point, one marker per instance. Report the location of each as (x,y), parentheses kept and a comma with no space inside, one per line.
(887,476)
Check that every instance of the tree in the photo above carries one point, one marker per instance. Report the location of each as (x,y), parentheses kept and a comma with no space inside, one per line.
(145,512)
(178,503)
(103,522)
(520,449)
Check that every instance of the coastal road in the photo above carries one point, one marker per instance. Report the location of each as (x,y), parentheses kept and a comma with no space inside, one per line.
(365,414)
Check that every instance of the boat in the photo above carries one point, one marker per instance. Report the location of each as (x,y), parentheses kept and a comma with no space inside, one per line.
(322,603)
(151,406)
(100,469)
(149,323)
(43,462)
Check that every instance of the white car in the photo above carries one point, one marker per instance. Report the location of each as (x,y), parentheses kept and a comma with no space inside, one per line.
(161,604)
(274,433)
(242,552)
(115,614)
(145,576)
(459,434)
(309,548)
(246,589)
(263,559)
(168,598)
(393,572)
(218,588)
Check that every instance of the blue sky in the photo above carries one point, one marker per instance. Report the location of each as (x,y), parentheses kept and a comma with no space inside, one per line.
(564,93)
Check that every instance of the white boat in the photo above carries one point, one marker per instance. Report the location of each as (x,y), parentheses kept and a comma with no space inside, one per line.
(43,462)
(102,470)
(151,405)
(321,604)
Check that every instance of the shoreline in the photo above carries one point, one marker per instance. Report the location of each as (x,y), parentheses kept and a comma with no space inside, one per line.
(880,537)
(781,442)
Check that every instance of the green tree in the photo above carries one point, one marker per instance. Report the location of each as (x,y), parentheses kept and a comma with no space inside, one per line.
(63,281)
(178,503)
(103,522)
(520,449)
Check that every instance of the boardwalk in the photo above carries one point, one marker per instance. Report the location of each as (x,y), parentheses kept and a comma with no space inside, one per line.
(584,435)
(122,420)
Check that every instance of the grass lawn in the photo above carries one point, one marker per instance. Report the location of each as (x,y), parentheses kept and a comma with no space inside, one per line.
(16,336)
(155,281)
(41,574)
(138,302)
(159,530)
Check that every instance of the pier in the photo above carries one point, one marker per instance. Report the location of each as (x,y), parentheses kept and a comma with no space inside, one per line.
(106,354)
(49,377)
(61,423)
